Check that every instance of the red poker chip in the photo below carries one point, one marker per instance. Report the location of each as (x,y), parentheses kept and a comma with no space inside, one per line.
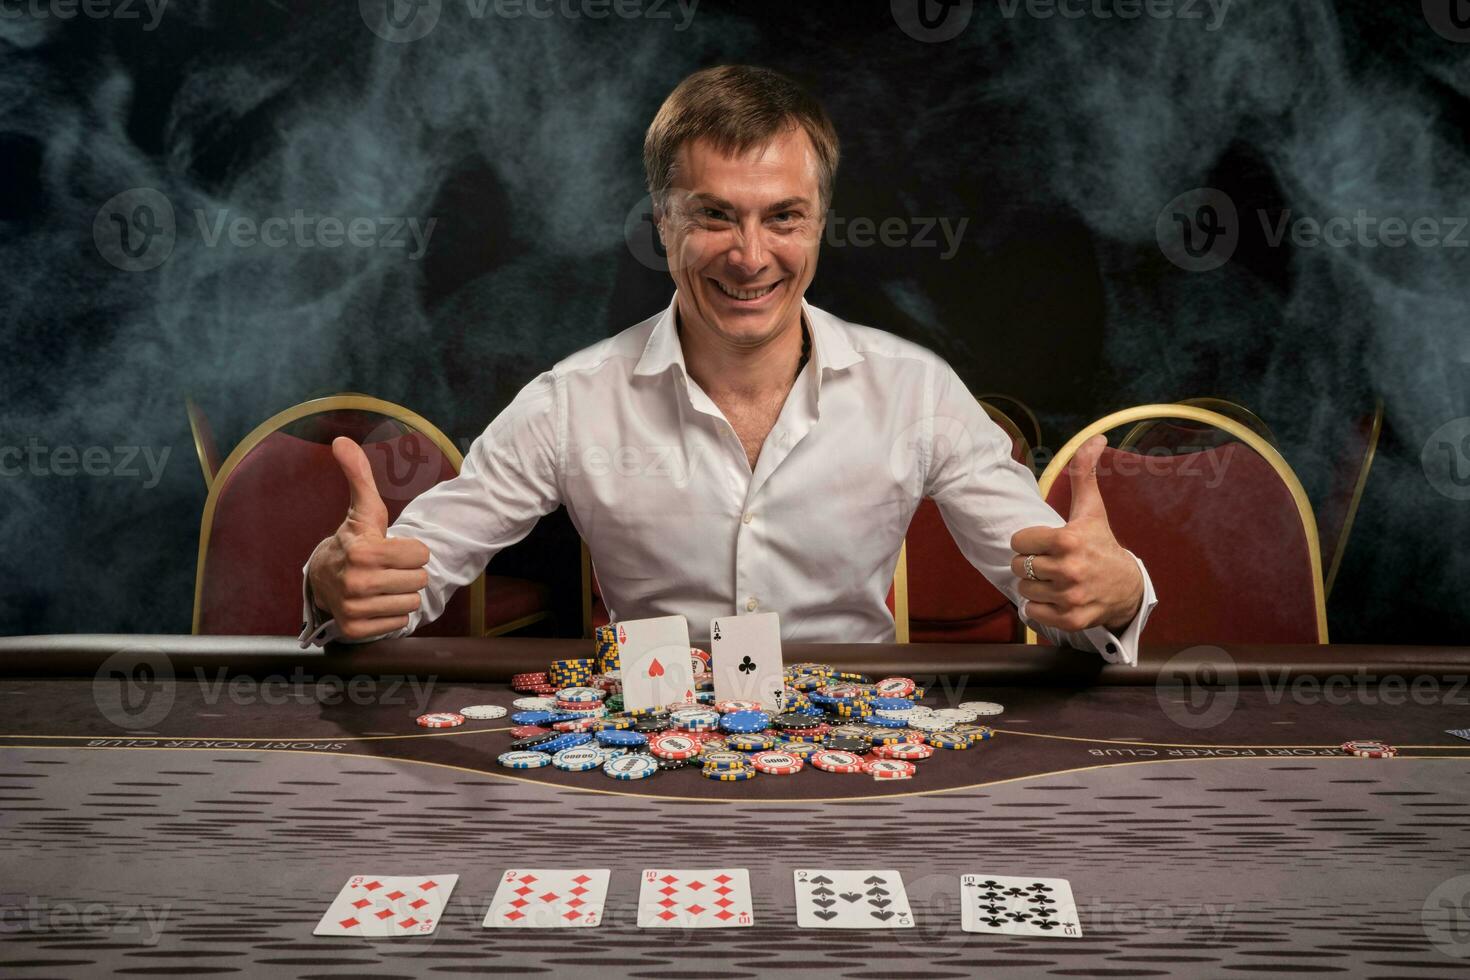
(733,705)
(675,745)
(891,769)
(910,751)
(776,763)
(545,690)
(441,719)
(829,760)
(896,687)
(576,724)
(526,731)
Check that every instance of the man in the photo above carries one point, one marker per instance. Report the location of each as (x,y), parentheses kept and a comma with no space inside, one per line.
(742,450)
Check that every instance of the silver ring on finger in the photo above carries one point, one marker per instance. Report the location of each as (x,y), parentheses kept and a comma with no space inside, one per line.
(1030,568)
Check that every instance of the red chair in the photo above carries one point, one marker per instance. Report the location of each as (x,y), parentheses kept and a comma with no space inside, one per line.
(949,600)
(1349,477)
(278,495)
(1227,532)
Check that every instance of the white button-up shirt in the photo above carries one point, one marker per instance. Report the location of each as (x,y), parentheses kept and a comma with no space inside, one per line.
(657,483)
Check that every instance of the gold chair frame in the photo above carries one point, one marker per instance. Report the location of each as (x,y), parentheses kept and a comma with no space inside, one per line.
(1140,413)
(210,467)
(1221,406)
(1375,430)
(331,404)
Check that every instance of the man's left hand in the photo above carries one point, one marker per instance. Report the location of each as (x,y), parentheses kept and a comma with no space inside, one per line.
(1085,578)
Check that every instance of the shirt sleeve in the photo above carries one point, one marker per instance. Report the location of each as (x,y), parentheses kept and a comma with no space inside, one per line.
(985,497)
(511,477)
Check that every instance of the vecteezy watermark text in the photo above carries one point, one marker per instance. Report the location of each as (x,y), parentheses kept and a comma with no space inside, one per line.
(40,916)
(90,9)
(34,459)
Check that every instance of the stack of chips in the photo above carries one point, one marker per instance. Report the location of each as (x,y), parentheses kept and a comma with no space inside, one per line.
(571,673)
(608,659)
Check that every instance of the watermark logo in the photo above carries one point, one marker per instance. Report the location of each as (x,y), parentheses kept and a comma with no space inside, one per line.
(640,231)
(135,688)
(1445,917)
(1446,459)
(1449,18)
(123,462)
(400,21)
(932,21)
(1199,230)
(135,230)
(409,461)
(1215,10)
(125,10)
(1193,690)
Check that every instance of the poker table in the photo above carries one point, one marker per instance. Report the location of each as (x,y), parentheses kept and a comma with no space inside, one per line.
(191,805)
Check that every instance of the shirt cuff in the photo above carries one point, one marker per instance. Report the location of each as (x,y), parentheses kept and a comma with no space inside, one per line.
(1124,649)
(315,630)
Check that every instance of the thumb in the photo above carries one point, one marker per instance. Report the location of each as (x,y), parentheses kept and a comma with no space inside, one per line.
(366,508)
(1087,499)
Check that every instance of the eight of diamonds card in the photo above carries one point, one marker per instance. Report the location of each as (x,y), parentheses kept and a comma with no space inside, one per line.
(1014,906)
(382,906)
(544,898)
(851,900)
(704,898)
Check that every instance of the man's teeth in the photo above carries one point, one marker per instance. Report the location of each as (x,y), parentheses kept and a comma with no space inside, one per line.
(746,293)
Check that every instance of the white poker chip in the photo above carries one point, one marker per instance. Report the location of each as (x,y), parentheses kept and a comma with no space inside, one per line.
(960,716)
(579,759)
(534,704)
(930,723)
(483,712)
(983,707)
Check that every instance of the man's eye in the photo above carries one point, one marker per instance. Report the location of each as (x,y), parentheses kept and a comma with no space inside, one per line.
(713,214)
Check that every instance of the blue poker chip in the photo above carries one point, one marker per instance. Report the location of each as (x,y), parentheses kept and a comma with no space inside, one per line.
(524,760)
(578,759)
(745,722)
(879,721)
(557,716)
(531,717)
(616,738)
(891,704)
(810,710)
(568,741)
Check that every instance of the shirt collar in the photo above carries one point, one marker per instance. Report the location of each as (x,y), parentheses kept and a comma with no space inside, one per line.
(831,347)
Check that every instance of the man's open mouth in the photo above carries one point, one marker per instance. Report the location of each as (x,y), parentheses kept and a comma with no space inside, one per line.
(746,294)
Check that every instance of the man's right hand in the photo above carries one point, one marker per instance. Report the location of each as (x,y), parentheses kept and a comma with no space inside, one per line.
(366,580)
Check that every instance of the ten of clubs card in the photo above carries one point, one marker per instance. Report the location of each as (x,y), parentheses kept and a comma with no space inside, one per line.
(828,899)
(1015,906)
(655,657)
(544,898)
(747,659)
(701,898)
(385,906)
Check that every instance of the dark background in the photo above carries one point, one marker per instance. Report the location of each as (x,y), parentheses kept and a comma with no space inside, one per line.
(1060,139)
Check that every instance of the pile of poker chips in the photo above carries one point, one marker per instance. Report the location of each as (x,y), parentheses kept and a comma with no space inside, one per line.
(608,658)
(1369,748)
(831,721)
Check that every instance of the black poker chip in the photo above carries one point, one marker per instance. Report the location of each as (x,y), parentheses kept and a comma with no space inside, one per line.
(672,763)
(794,720)
(531,741)
(649,725)
(846,745)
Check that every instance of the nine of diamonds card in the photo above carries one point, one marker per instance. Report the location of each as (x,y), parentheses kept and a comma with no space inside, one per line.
(384,906)
(546,898)
(702,898)
(1015,906)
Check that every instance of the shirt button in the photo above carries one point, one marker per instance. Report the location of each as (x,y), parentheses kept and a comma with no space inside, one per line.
(750,604)
(748,518)
(1112,648)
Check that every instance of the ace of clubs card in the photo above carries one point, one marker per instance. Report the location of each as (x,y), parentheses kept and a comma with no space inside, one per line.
(747,659)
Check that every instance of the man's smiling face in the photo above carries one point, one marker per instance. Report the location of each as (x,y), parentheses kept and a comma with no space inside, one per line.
(742,236)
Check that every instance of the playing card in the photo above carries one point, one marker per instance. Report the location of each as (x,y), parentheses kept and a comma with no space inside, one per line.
(1016,906)
(655,656)
(747,659)
(828,899)
(543,898)
(383,906)
(1459,733)
(702,898)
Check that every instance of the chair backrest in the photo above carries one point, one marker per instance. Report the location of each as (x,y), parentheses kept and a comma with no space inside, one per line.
(204,445)
(278,495)
(949,600)
(1349,477)
(1227,533)
(1165,436)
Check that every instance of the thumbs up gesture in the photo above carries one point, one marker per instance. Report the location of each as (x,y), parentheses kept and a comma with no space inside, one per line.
(366,580)
(1083,577)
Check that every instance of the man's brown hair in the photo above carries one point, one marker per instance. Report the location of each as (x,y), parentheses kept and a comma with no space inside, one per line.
(736,108)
